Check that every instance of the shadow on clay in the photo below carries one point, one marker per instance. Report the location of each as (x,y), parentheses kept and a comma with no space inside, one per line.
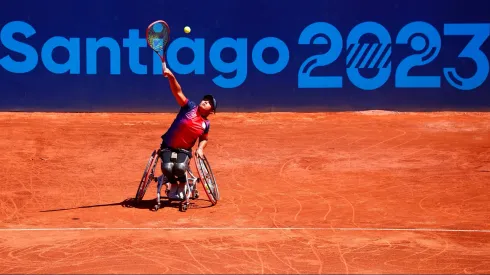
(143,204)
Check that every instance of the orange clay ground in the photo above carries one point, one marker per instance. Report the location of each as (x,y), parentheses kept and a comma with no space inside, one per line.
(366,192)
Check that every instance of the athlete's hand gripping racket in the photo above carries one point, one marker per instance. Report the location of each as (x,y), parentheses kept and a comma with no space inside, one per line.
(158,37)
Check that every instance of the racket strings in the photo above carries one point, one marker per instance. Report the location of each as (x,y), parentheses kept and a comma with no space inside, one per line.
(158,37)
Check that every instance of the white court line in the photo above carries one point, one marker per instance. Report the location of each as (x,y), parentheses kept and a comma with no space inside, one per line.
(243,229)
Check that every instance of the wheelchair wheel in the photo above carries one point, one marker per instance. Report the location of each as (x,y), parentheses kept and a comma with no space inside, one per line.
(207,179)
(148,176)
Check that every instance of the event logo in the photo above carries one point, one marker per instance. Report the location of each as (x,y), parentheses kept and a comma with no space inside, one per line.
(423,38)
(372,56)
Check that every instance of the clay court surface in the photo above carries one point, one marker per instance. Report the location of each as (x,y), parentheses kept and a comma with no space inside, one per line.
(366,192)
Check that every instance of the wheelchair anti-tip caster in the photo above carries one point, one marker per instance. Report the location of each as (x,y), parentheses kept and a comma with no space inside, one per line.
(196,195)
(183,207)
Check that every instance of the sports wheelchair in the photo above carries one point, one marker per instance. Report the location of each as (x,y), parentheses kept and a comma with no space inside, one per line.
(206,177)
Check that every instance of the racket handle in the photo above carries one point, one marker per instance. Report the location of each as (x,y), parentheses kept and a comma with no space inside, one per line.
(164,65)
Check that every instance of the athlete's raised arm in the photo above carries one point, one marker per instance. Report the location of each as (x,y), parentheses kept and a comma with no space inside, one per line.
(175,87)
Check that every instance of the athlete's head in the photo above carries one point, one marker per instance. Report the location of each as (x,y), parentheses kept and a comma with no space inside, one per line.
(207,105)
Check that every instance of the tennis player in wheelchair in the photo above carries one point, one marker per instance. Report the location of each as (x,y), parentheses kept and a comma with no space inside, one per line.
(191,124)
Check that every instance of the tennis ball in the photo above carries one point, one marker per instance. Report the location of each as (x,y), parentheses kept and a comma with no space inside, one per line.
(187,29)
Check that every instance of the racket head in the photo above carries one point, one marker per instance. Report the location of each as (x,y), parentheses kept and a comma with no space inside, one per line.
(158,37)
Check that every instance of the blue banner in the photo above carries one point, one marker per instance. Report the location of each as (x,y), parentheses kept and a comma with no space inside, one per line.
(312,55)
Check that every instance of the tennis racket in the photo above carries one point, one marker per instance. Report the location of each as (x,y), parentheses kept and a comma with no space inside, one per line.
(158,37)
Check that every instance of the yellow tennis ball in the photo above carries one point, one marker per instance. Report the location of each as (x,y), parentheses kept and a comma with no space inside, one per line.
(187,29)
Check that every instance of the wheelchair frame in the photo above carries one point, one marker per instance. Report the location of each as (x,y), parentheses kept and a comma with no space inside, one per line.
(190,188)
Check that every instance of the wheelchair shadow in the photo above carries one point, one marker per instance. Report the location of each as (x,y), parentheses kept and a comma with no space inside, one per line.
(164,203)
(143,204)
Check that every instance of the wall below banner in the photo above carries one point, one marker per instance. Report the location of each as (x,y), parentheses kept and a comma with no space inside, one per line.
(252,55)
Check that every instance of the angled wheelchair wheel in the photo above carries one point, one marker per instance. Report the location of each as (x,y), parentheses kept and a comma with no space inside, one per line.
(148,176)
(207,179)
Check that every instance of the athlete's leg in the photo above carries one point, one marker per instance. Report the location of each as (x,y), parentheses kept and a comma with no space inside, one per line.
(180,167)
(179,171)
(168,166)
